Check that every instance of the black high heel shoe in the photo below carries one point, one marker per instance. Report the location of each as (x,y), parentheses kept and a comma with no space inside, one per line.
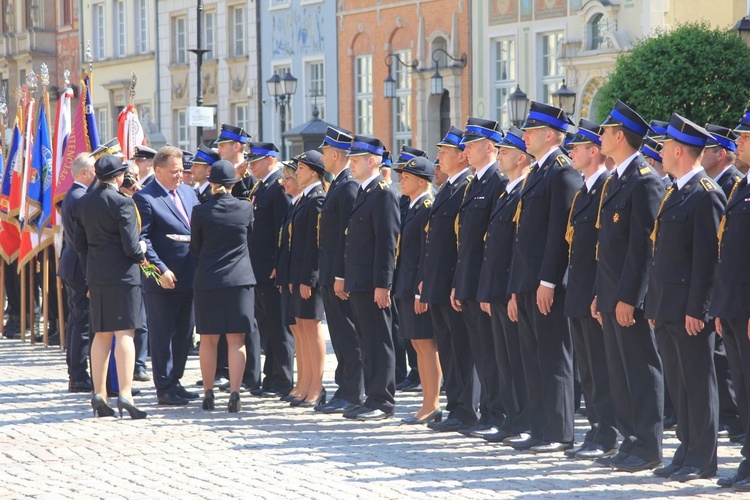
(436,416)
(208,400)
(100,407)
(134,412)
(235,405)
(312,404)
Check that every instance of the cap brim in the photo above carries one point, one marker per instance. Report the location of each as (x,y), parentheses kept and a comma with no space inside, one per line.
(473,138)
(358,153)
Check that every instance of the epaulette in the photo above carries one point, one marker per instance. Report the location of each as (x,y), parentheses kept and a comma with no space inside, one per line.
(562,160)
(708,184)
(645,171)
(383,184)
(427,203)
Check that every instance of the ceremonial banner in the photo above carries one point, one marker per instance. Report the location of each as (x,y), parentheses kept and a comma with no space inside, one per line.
(129,131)
(14,156)
(62,134)
(20,168)
(39,190)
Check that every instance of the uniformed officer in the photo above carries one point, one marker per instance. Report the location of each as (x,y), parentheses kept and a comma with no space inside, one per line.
(719,156)
(587,158)
(679,285)
(627,209)
(144,159)
(651,151)
(334,217)
(367,272)
(270,204)
(540,255)
(731,296)
(437,270)
(231,144)
(202,161)
(415,326)
(514,161)
(479,139)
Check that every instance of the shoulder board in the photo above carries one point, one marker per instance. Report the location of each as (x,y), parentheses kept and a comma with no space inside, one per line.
(645,171)
(562,160)
(383,184)
(427,203)
(708,184)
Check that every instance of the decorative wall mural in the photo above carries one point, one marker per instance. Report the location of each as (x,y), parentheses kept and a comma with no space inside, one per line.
(298,32)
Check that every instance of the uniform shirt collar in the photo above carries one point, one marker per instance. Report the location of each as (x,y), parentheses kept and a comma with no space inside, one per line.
(453,179)
(722,172)
(480,173)
(412,203)
(592,180)
(509,187)
(268,176)
(369,180)
(202,187)
(622,166)
(294,200)
(310,188)
(680,183)
(544,157)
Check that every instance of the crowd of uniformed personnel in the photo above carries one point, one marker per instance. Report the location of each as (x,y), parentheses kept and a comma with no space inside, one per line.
(524,268)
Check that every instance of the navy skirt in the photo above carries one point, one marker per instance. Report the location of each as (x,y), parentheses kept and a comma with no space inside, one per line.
(115,307)
(413,326)
(224,310)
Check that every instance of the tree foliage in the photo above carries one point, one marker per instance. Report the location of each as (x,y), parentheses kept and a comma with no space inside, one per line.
(694,70)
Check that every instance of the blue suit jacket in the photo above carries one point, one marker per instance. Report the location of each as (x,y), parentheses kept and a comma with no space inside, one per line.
(70,266)
(160,222)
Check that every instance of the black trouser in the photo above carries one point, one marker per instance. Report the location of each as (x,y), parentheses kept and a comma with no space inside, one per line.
(251,377)
(141,340)
(512,385)
(637,385)
(547,351)
(378,359)
(729,415)
(341,328)
(482,344)
(588,343)
(735,332)
(77,331)
(689,372)
(460,379)
(170,323)
(275,338)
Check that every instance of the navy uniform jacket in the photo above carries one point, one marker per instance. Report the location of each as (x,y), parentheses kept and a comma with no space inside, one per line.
(70,267)
(205,195)
(410,246)
(540,252)
(220,230)
(473,216)
(303,260)
(682,269)
(498,248)
(438,264)
(284,247)
(727,179)
(582,262)
(731,295)
(626,219)
(370,248)
(242,188)
(334,217)
(270,204)
(106,237)
(161,223)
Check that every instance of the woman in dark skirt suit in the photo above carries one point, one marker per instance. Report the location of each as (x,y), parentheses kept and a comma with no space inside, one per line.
(281,275)
(307,302)
(106,240)
(416,326)
(223,286)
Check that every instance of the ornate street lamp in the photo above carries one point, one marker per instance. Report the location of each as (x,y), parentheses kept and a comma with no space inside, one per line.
(282,90)
(436,82)
(389,84)
(565,99)
(518,106)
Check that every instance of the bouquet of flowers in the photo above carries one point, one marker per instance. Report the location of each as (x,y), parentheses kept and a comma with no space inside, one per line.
(151,271)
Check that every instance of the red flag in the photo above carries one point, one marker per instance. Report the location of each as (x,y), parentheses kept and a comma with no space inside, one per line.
(77,143)
(129,131)
(10,241)
(18,182)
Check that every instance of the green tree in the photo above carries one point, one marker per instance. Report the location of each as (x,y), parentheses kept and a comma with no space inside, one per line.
(696,71)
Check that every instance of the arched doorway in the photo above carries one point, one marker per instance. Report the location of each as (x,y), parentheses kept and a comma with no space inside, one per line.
(445,113)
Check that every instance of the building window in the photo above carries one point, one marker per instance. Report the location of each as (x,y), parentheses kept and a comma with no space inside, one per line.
(402,101)
(552,75)
(100,43)
(316,91)
(179,41)
(120,33)
(238,31)
(66,13)
(505,77)
(102,123)
(141,16)
(279,4)
(181,136)
(596,39)
(240,115)
(363,94)
(209,27)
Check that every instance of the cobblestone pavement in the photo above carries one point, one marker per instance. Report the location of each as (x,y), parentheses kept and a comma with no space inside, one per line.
(51,447)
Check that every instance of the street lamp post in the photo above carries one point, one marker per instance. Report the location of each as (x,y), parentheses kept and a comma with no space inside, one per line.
(389,84)
(282,90)
(518,106)
(436,82)
(565,99)
(199,51)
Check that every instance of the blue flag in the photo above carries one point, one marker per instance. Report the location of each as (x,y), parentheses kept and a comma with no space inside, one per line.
(92,133)
(40,177)
(13,156)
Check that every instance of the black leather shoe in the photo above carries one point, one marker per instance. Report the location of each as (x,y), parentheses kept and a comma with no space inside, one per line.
(371,415)
(497,437)
(521,436)
(352,414)
(610,461)
(257,392)
(526,444)
(636,464)
(142,376)
(551,447)
(448,425)
(81,386)
(742,484)
(670,423)
(737,438)
(595,451)
(667,470)
(171,399)
(184,393)
(337,406)
(272,393)
(690,473)
(571,453)
(728,482)
(474,429)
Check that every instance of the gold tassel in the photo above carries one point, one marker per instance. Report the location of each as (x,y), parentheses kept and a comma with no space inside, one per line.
(723,223)
(601,201)
(319,216)
(570,231)
(669,192)
(517,215)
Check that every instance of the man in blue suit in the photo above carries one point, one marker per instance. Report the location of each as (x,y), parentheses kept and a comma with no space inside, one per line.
(165,206)
(71,272)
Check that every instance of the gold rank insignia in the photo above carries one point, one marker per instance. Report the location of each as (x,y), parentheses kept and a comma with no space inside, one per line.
(383,184)
(707,184)
(645,171)
(616,218)
(427,203)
